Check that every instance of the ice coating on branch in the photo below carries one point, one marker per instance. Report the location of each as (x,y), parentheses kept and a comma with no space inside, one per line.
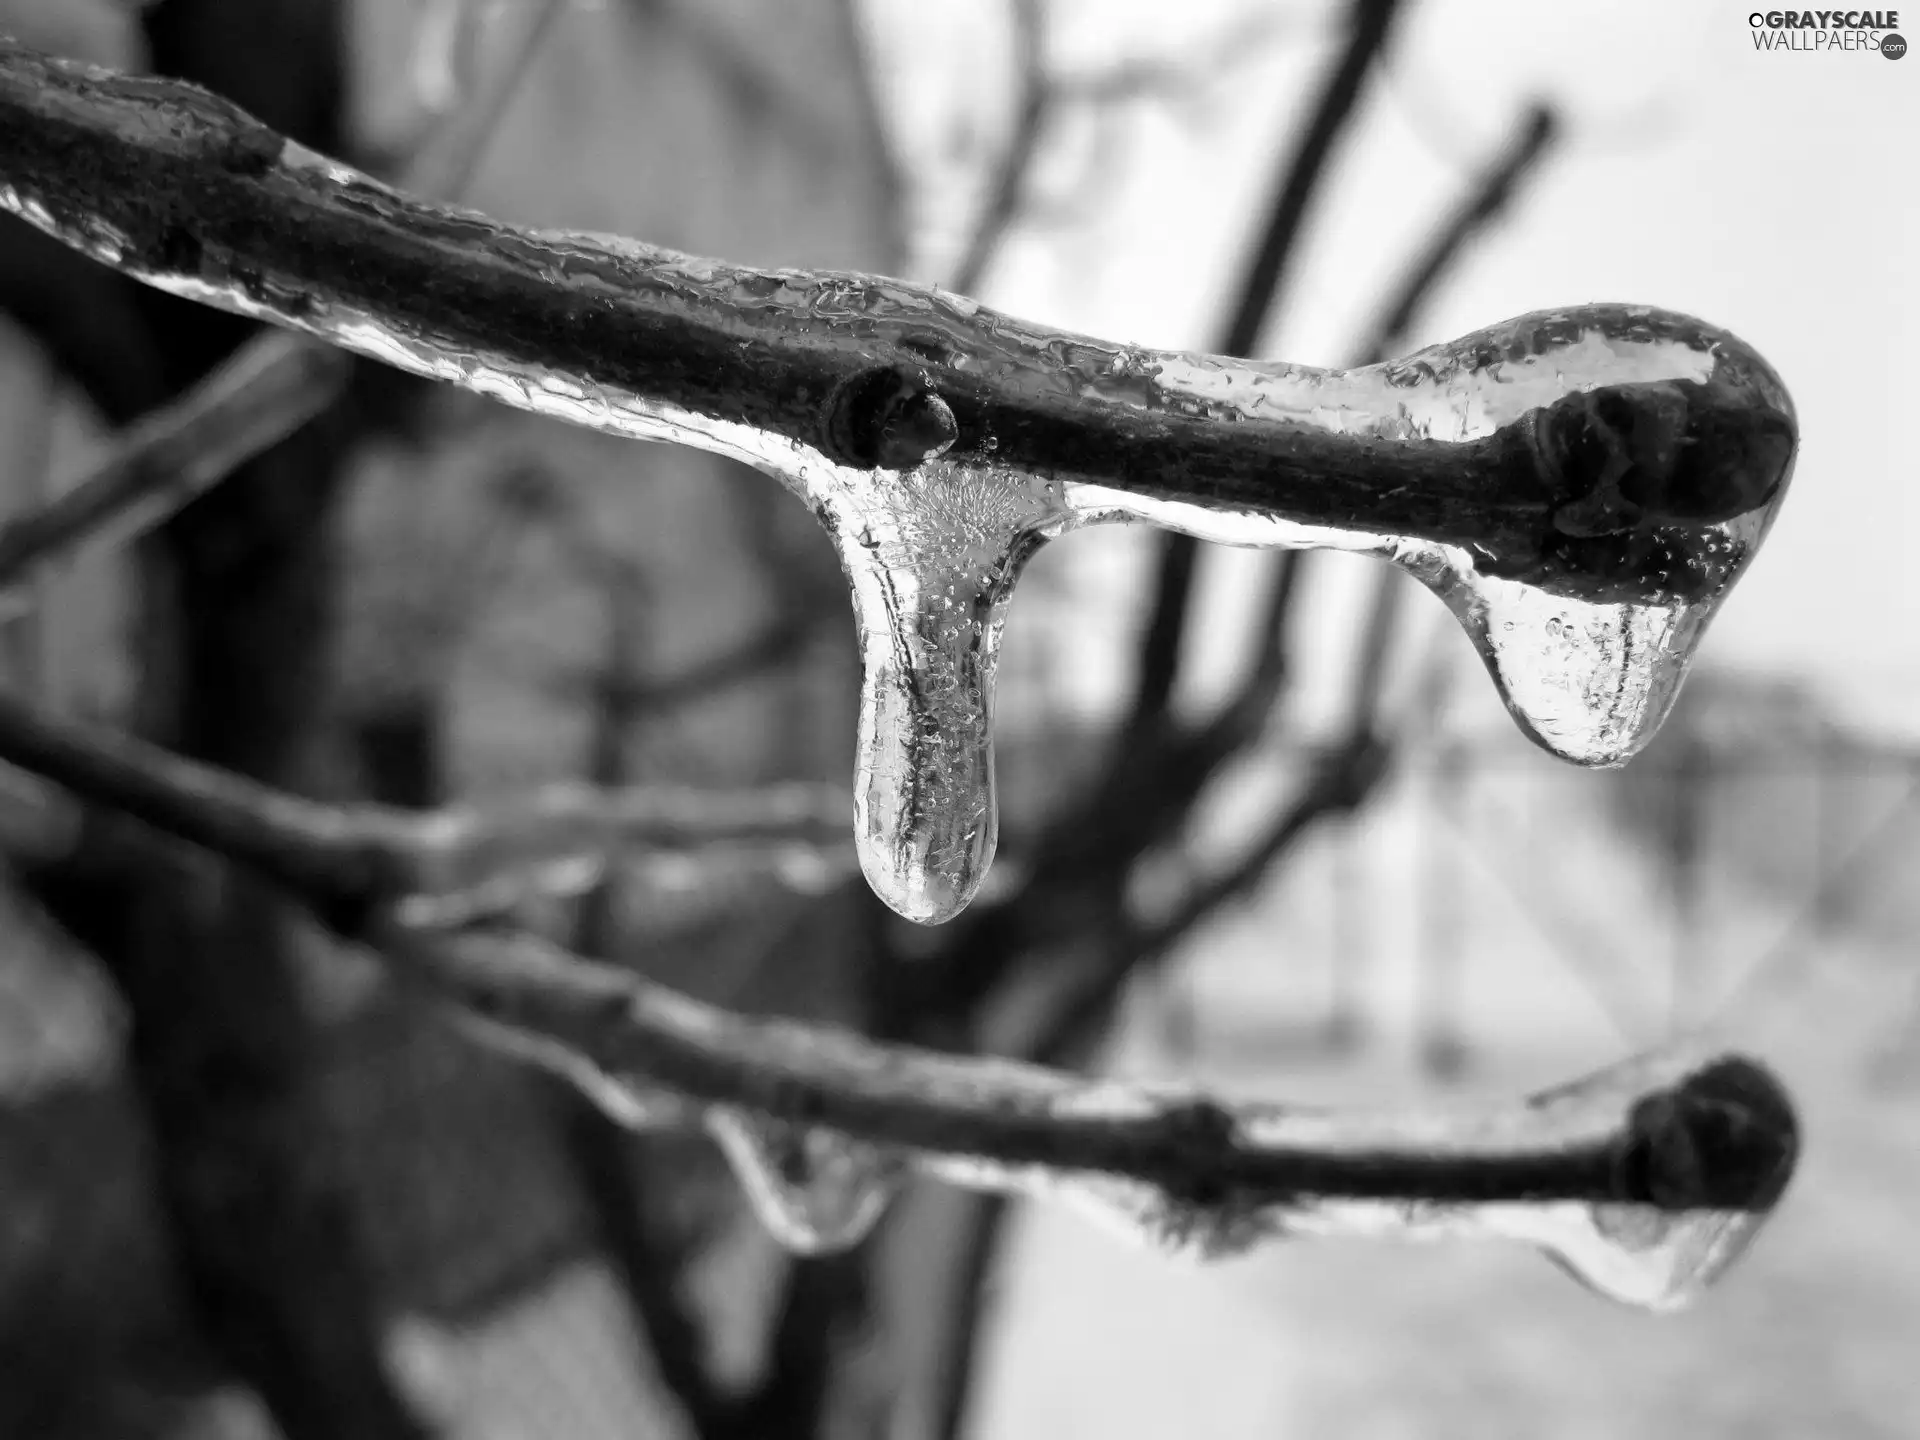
(1658,448)
(1696,1169)
(1645,1181)
(816,1191)
(1580,487)
(1628,432)
(1678,1162)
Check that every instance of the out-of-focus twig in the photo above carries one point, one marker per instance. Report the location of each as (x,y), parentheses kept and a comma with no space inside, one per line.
(647,1258)
(781,641)
(1045,94)
(266,390)
(270,387)
(1483,204)
(25,630)
(1008,186)
(446,161)
(441,864)
(1369,23)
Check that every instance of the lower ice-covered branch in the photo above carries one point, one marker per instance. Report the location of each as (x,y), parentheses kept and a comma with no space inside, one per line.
(1645,1181)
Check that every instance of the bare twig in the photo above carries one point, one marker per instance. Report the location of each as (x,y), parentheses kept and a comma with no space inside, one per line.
(270,388)
(780,642)
(647,1258)
(445,163)
(1268,674)
(449,863)
(1044,95)
(180,189)
(980,1233)
(30,462)
(1483,204)
(1063,1037)
(816,1295)
(1370,22)
(1339,783)
(1008,186)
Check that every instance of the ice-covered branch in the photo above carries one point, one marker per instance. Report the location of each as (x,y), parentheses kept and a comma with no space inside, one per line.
(169,183)
(1645,1180)
(1581,487)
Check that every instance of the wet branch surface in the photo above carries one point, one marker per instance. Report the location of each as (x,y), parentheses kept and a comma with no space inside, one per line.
(169,184)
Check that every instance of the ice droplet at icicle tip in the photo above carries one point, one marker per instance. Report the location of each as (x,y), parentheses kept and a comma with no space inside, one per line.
(816,1191)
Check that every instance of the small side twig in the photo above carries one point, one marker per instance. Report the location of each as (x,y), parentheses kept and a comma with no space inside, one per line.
(1008,186)
(264,393)
(456,862)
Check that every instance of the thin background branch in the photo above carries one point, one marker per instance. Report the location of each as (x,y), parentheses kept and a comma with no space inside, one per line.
(266,390)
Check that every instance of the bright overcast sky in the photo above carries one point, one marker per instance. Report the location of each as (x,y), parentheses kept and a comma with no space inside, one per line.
(1759,191)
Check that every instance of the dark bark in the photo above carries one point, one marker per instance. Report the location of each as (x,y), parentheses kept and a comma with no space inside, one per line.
(237,593)
(192,190)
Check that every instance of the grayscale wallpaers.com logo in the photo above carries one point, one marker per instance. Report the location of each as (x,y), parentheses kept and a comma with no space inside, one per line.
(1812,30)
